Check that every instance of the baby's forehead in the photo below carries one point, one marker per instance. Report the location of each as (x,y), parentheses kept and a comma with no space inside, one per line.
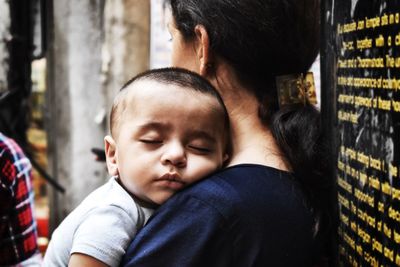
(149,89)
(159,99)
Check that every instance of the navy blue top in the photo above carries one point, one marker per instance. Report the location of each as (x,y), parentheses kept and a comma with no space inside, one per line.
(245,215)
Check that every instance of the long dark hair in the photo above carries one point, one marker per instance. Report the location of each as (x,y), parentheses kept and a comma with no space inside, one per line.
(263,39)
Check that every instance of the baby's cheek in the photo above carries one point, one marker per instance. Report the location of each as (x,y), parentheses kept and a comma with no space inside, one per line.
(208,168)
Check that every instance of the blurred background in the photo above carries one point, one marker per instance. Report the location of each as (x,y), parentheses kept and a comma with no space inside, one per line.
(61,63)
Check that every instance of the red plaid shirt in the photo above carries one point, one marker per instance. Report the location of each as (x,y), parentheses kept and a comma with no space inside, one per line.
(18,235)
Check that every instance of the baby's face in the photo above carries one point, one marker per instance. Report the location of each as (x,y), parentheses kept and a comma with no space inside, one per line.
(167,139)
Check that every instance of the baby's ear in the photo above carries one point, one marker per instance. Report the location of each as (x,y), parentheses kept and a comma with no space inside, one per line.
(111,155)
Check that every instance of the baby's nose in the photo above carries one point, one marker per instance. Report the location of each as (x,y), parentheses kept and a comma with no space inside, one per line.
(175,155)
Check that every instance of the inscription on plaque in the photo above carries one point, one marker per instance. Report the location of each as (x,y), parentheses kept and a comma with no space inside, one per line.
(366,70)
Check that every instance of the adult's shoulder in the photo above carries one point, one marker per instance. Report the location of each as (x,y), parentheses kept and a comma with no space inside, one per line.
(247,188)
(241,180)
(252,209)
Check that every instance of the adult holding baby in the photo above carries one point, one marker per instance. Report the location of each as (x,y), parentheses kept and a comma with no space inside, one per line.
(265,208)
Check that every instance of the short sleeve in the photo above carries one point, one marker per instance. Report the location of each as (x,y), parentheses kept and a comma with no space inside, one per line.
(185,231)
(105,234)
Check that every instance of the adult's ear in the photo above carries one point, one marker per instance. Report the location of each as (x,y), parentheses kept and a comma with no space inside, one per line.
(111,155)
(203,50)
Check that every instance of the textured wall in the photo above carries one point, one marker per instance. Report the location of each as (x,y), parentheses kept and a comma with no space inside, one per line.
(4,36)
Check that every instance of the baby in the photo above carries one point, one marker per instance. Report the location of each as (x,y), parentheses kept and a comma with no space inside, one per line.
(169,128)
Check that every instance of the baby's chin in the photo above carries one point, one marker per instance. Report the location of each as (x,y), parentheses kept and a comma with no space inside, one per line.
(161,198)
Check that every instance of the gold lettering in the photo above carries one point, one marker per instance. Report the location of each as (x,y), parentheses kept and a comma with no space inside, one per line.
(353,208)
(364,43)
(385,20)
(396,107)
(350,241)
(343,201)
(374,182)
(379,226)
(344,219)
(349,27)
(346,99)
(375,163)
(389,61)
(360,25)
(397,39)
(380,41)
(393,169)
(348,116)
(353,227)
(340,28)
(387,231)
(391,18)
(394,214)
(370,62)
(392,84)
(348,45)
(386,188)
(396,236)
(342,80)
(362,158)
(363,102)
(364,216)
(371,260)
(341,166)
(362,177)
(364,235)
(381,207)
(384,104)
(342,63)
(352,153)
(376,245)
(373,22)
(395,193)
(345,185)
(388,254)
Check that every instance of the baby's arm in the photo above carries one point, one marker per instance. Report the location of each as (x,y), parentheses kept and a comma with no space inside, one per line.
(103,236)
(78,259)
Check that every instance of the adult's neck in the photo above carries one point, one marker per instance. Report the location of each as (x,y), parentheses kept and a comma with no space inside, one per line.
(252,141)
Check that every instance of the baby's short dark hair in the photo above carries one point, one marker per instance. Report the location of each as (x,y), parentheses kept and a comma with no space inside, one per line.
(170,76)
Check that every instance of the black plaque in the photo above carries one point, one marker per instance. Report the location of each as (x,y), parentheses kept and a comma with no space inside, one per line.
(361,55)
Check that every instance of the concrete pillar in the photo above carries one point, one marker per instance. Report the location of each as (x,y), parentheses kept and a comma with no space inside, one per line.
(76,101)
(126,49)
(94,48)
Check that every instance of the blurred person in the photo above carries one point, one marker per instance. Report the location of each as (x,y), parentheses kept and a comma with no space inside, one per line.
(169,128)
(268,206)
(18,229)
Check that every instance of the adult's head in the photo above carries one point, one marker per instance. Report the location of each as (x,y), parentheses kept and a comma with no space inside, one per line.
(169,129)
(259,39)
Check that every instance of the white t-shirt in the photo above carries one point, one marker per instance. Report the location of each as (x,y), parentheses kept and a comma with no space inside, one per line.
(102,226)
